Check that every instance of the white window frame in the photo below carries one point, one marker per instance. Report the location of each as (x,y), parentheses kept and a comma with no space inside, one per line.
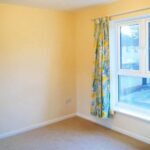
(147,49)
(115,69)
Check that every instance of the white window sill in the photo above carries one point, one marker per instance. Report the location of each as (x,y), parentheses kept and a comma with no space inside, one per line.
(133,111)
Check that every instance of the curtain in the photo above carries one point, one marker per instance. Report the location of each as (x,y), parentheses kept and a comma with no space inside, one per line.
(100,105)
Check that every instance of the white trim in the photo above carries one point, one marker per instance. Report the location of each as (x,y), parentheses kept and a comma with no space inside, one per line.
(91,119)
(35,126)
(147,48)
(113,64)
(134,111)
(143,48)
(115,128)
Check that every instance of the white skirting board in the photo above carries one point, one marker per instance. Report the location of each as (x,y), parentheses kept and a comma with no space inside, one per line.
(39,125)
(117,129)
(35,126)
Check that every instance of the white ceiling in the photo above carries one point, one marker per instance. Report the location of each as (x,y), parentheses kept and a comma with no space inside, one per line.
(58,4)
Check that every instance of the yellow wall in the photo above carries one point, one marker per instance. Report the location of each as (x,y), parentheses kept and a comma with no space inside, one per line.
(85,57)
(37,66)
(47,57)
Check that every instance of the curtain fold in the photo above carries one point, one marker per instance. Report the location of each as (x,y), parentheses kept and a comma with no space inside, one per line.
(100,105)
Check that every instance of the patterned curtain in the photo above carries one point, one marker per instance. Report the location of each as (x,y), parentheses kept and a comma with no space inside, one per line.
(100,105)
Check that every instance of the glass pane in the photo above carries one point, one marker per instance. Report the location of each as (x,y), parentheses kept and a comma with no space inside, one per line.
(149,45)
(134,91)
(129,47)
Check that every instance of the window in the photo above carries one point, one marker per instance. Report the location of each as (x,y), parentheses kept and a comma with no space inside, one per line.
(134,91)
(129,46)
(130,64)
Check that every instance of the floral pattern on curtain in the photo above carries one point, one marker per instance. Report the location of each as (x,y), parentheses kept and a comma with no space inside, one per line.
(100,105)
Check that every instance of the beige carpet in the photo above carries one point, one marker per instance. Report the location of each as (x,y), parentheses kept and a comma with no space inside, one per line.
(72,134)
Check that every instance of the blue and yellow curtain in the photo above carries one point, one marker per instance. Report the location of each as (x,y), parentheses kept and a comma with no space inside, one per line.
(100,105)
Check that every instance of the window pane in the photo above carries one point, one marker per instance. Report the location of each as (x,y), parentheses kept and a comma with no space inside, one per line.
(129,47)
(134,91)
(149,45)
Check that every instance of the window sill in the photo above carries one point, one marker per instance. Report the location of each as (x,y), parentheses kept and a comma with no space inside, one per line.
(133,111)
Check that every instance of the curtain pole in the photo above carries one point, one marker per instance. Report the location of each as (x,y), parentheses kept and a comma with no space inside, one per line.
(127,12)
